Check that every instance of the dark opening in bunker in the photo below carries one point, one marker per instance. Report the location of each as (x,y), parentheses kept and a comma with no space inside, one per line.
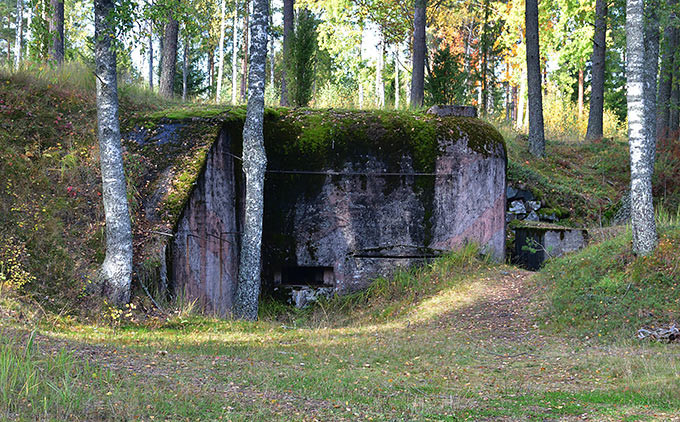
(306,276)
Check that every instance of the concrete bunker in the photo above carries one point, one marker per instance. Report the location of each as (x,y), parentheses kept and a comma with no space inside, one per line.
(349,196)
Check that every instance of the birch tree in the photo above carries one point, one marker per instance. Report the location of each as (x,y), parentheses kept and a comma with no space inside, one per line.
(115,274)
(220,62)
(288,18)
(667,78)
(19,34)
(234,52)
(254,165)
(640,137)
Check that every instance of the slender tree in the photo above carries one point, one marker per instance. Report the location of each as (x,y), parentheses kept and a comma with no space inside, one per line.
(379,83)
(581,90)
(666,77)
(244,58)
(19,34)
(116,270)
(220,61)
(595,125)
(536,133)
(254,165)
(56,47)
(288,19)
(397,88)
(641,143)
(185,67)
(234,53)
(150,56)
(168,57)
(419,51)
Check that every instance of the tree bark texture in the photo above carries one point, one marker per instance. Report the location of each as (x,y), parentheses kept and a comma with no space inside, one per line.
(419,51)
(667,77)
(56,48)
(185,69)
(19,34)
(220,61)
(536,134)
(595,116)
(234,56)
(244,59)
(397,88)
(254,166)
(379,83)
(168,58)
(116,270)
(641,144)
(580,92)
(150,57)
(288,19)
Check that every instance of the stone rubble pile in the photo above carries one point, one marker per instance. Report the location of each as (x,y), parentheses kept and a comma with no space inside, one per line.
(523,205)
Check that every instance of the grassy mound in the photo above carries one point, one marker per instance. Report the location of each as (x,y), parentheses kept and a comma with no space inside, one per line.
(606,289)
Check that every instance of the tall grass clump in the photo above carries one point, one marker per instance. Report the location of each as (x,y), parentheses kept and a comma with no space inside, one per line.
(41,387)
(605,288)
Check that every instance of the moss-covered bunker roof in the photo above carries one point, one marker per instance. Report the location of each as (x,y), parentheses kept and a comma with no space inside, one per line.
(166,151)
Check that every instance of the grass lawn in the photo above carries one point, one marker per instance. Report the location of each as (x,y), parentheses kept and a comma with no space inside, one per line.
(475,346)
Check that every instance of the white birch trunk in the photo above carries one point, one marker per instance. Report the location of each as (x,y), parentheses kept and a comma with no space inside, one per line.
(220,62)
(19,28)
(115,275)
(254,166)
(234,54)
(641,143)
(379,83)
(396,77)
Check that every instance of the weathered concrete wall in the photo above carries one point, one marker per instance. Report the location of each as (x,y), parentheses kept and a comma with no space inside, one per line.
(204,251)
(535,244)
(364,224)
(363,195)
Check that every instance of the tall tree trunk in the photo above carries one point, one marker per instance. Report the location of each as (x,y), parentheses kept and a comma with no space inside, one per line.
(56,48)
(271,50)
(484,103)
(168,58)
(580,92)
(519,125)
(513,117)
(211,66)
(220,61)
(116,270)
(666,76)
(234,56)
(536,134)
(254,166)
(288,19)
(150,56)
(19,34)
(641,144)
(674,114)
(185,69)
(244,59)
(595,115)
(397,88)
(419,51)
(379,83)
(29,31)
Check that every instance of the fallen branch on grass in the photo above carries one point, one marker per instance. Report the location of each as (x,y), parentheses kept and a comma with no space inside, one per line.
(669,334)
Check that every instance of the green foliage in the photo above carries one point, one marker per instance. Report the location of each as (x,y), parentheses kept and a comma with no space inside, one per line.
(13,257)
(300,59)
(445,84)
